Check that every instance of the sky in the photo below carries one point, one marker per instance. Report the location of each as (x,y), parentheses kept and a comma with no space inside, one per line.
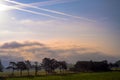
(69,29)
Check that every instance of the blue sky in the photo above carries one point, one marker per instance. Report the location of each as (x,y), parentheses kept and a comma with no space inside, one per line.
(98,9)
(103,11)
(91,23)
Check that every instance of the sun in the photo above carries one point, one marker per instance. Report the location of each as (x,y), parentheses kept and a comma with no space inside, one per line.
(3,14)
(3,7)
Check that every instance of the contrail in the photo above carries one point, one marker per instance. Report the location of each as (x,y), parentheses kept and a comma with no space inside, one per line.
(52,11)
(46,3)
(51,2)
(34,12)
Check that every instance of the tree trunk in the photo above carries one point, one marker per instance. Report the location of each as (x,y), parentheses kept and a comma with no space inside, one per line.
(21,72)
(36,72)
(13,72)
(28,72)
(36,68)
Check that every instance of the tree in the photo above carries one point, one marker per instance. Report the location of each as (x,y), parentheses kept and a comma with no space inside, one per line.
(46,64)
(62,65)
(85,66)
(36,68)
(54,65)
(13,66)
(117,63)
(1,66)
(49,65)
(21,66)
(28,66)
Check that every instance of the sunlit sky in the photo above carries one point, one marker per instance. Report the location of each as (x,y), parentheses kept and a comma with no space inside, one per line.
(89,23)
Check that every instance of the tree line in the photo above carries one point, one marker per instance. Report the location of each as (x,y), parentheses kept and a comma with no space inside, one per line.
(90,66)
(50,65)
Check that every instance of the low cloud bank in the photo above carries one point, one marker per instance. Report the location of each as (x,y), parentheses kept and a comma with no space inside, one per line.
(36,51)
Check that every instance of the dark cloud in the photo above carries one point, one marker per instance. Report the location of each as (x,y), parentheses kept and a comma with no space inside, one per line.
(15,44)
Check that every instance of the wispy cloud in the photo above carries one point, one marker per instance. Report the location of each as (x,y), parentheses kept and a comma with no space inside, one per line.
(48,10)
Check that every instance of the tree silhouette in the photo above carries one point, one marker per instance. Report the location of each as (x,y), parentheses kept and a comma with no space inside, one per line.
(28,66)
(51,64)
(62,65)
(21,66)
(117,63)
(86,66)
(13,66)
(54,65)
(36,68)
(46,64)
(1,66)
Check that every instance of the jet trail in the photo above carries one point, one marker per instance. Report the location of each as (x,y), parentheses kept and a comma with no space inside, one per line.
(51,2)
(52,11)
(34,12)
(46,3)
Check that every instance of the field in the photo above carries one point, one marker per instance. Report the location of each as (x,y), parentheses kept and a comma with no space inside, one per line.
(76,76)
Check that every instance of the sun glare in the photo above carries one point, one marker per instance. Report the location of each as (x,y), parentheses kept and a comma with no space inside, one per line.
(3,14)
(3,7)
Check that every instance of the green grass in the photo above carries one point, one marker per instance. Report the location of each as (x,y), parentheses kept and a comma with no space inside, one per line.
(78,76)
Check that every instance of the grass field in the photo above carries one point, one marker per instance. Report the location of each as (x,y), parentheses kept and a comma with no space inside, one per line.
(77,76)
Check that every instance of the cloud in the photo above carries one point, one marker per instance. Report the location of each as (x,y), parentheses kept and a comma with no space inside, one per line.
(15,29)
(18,45)
(35,51)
